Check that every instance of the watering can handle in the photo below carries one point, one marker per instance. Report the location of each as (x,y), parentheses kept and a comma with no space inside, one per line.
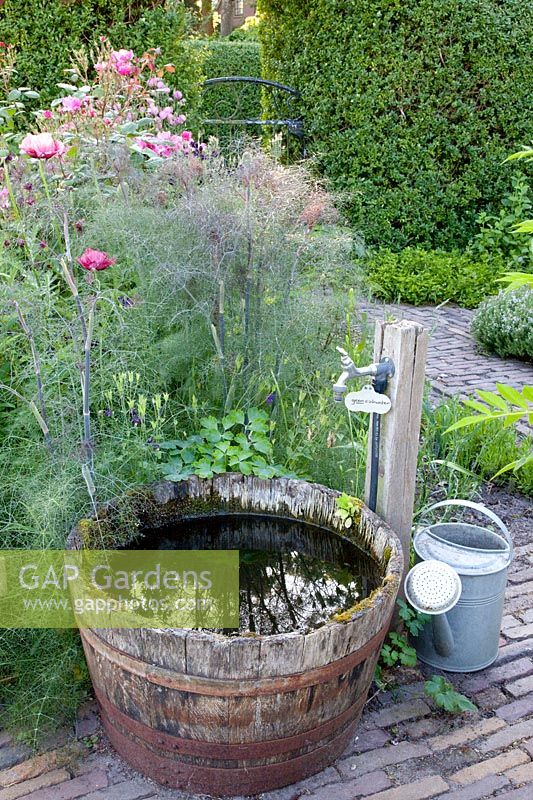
(482,510)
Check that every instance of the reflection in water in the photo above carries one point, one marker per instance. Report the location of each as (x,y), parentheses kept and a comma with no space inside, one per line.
(293,576)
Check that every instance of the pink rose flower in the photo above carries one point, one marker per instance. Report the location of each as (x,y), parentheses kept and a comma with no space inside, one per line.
(165,144)
(124,68)
(95,260)
(41,145)
(71,104)
(121,61)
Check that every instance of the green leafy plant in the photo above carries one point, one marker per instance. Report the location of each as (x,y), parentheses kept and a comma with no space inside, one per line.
(348,509)
(507,405)
(237,443)
(398,651)
(413,620)
(502,324)
(498,234)
(431,276)
(515,280)
(454,463)
(443,694)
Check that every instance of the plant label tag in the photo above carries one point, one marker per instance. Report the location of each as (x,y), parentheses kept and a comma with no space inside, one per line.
(368,401)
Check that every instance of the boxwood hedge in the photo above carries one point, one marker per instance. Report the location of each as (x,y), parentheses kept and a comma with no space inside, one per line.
(431,276)
(410,105)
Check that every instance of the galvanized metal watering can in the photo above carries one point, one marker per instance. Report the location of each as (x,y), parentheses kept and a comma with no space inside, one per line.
(460,580)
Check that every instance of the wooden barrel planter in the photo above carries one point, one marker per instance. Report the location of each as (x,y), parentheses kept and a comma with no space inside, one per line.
(243,714)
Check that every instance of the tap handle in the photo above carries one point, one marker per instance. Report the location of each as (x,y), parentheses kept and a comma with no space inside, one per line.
(346,361)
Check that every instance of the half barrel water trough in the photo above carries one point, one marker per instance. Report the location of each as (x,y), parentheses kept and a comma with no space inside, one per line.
(237,715)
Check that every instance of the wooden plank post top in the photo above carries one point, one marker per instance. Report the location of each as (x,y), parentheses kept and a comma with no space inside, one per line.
(406,343)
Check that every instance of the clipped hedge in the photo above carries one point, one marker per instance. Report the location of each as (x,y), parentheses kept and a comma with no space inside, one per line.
(46,32)
(431,276)
(410,105)
(220,58)
(504,324)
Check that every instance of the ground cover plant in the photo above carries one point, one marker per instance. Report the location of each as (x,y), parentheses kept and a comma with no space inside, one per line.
(432,277)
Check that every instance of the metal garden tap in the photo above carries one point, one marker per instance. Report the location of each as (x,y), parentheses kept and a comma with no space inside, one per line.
(384,369)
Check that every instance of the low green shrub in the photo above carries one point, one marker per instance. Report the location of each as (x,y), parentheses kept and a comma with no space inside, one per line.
(432,276)
(504,324)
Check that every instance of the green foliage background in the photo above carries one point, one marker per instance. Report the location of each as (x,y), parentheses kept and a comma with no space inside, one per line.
(432,276)
(410,105)
(46,32)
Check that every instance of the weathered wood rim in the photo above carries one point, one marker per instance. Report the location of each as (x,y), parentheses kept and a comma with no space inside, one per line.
(232,687)
(164,502)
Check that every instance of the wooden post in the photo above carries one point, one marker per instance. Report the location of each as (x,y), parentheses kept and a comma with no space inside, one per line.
(406,343)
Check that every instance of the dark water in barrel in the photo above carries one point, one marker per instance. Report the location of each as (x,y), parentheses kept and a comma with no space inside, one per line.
(293,576)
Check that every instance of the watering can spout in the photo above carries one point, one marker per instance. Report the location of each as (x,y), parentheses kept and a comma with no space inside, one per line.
(443,640)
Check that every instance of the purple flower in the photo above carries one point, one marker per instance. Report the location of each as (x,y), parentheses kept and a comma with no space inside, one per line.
(42,245)
(6,243)
(28,186)
(134,417)
(271,399)
(108,412)
(20,242)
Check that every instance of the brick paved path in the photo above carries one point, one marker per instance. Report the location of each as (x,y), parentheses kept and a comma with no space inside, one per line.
(404,748)
(454,364)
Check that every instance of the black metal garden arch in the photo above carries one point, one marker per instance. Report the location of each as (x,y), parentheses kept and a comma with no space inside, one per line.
(230,107)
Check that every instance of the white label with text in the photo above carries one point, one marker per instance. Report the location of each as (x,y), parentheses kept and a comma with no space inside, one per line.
(368,401)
